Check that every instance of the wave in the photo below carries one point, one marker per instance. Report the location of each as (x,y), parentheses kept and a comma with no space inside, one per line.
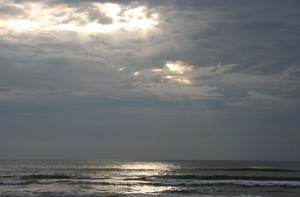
(166,193)
(170,183)
(59,194)
(47,176)
(6,181)
(226,183)
(257,169)
(162,180)
(57,176)
(224,177)
(34,178)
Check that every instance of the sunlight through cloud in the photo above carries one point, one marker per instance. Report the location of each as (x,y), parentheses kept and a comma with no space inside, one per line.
(178,67)
(175,71)
(95,18)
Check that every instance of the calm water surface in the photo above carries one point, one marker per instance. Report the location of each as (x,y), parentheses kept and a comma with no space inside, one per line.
(156,178)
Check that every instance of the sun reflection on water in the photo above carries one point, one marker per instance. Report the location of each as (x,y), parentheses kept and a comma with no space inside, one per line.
(148,166)
(135,177)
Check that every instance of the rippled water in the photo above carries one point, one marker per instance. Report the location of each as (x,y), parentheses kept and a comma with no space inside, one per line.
(172,178)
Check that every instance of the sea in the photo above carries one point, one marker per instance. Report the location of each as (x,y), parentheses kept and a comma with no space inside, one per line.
(149,178)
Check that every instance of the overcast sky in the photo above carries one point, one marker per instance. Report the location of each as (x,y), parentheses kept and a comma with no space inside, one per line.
(205,79)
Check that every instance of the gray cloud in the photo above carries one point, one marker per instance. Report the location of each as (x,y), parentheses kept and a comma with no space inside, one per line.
(238,79)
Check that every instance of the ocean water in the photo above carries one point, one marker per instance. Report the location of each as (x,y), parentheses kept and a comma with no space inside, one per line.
(155,178)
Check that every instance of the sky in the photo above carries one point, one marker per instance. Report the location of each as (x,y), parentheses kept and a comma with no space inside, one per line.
(150,80)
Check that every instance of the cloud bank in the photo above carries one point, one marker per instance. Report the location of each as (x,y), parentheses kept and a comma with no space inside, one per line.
(201,70)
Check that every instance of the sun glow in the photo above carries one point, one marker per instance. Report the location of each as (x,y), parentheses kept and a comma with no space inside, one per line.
(110,9)
(175,71)
(96,18)
(20,25)
(178,67)
(136,73)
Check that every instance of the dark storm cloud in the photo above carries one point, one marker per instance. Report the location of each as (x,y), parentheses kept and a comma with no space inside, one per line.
(259,36)
(207,80)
